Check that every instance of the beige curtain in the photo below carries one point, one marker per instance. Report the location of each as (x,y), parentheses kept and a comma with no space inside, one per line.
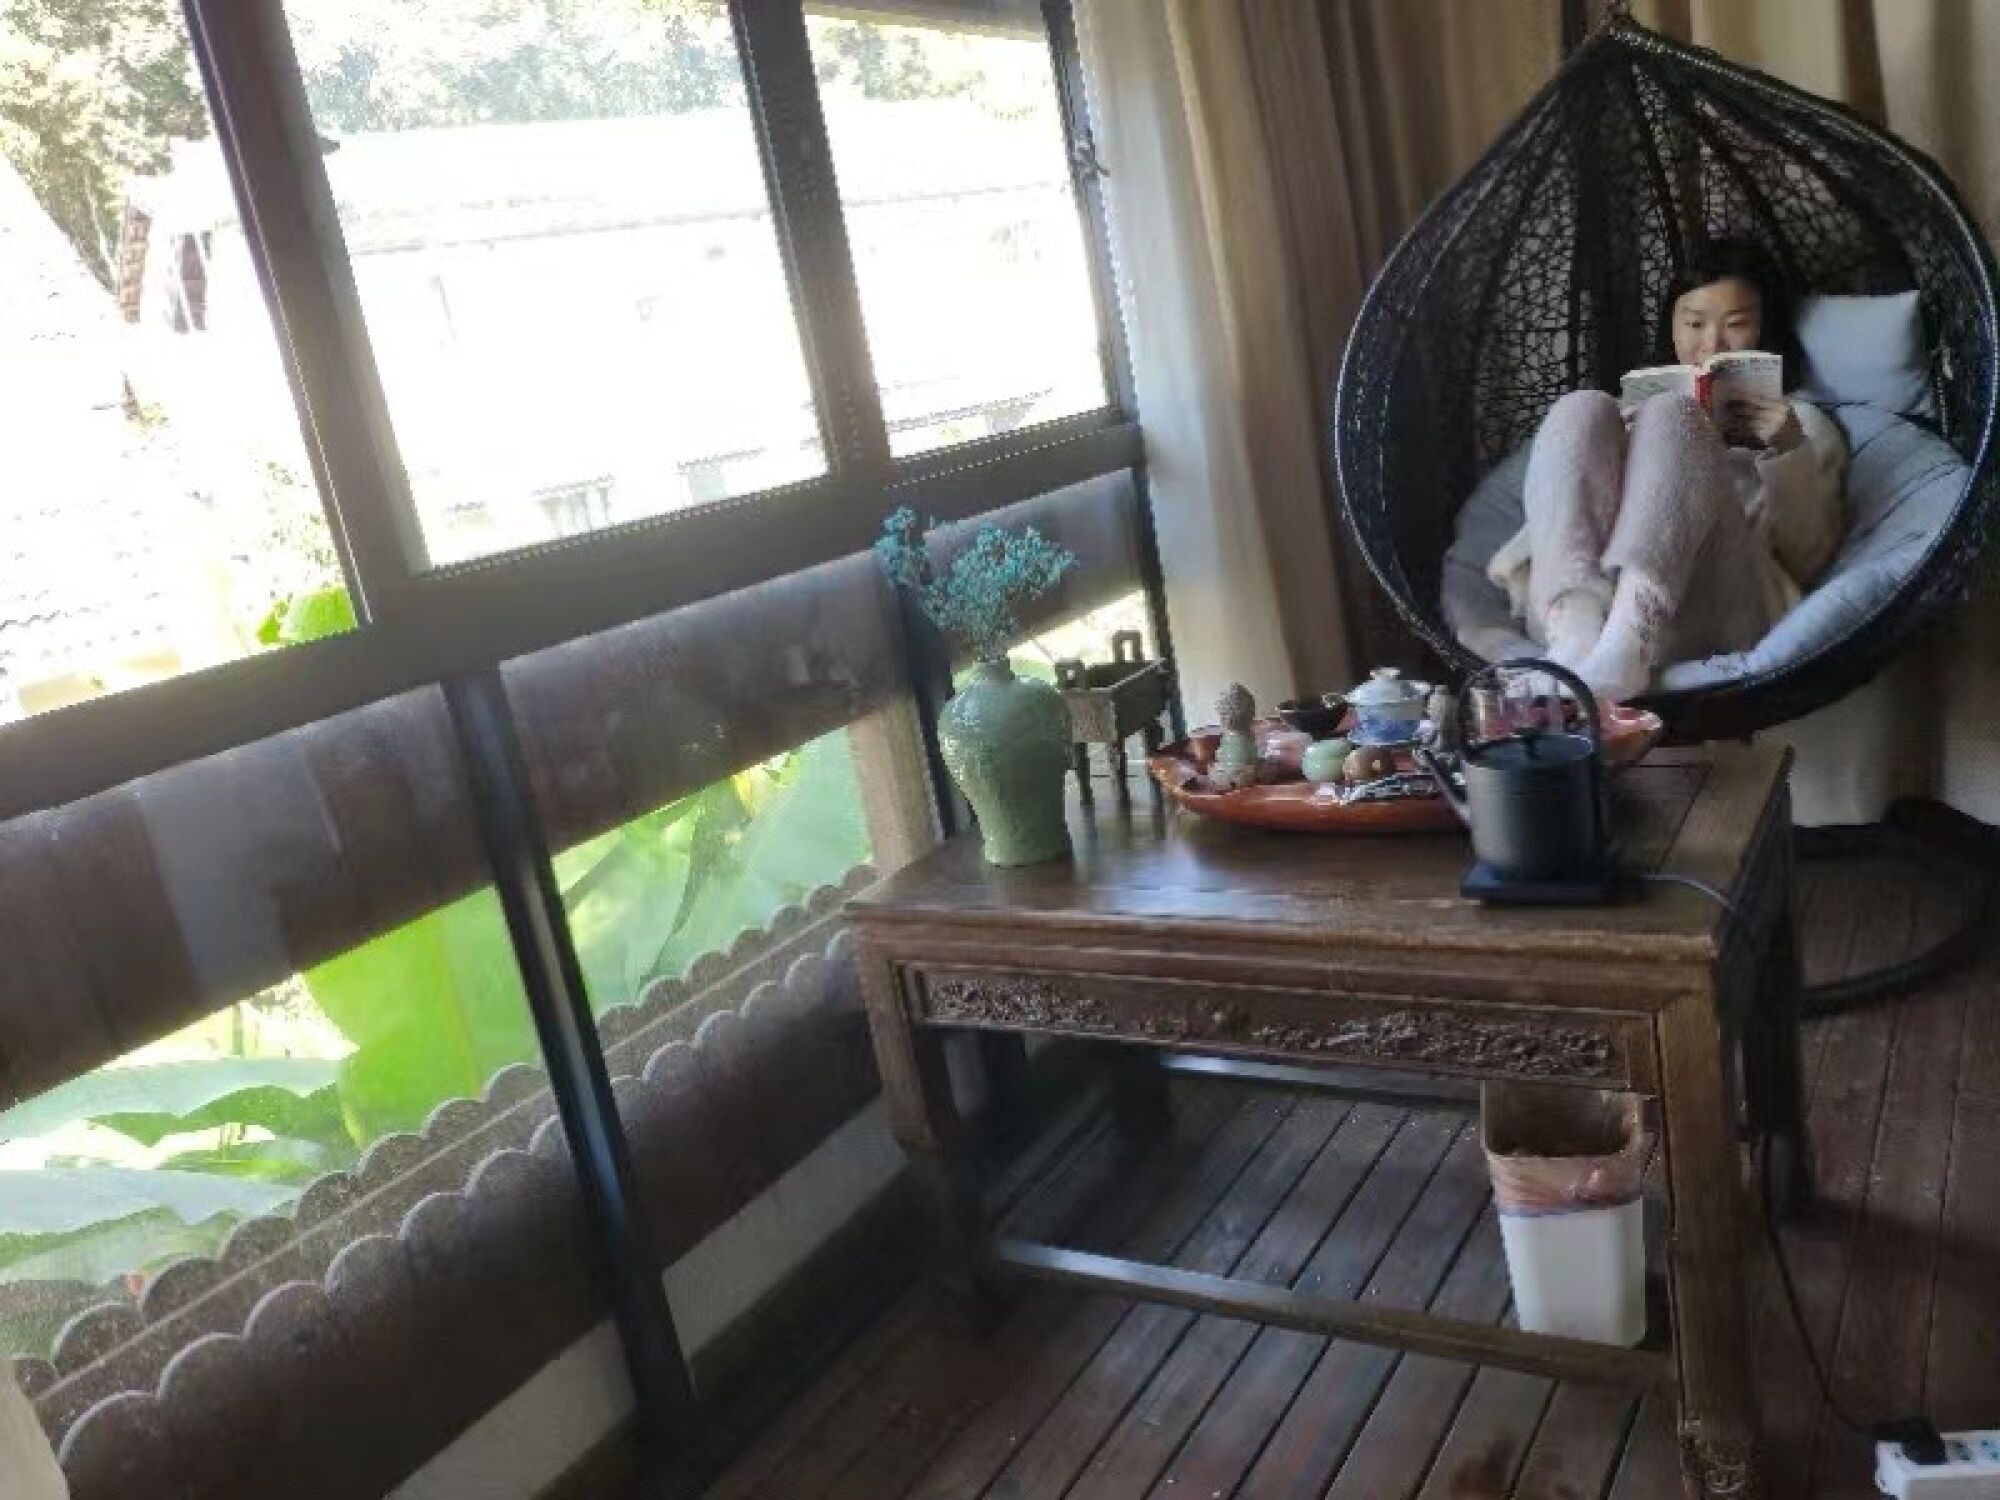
(1265,154)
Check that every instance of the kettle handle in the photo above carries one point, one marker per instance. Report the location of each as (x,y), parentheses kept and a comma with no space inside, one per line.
(1562,674)
(1450,790)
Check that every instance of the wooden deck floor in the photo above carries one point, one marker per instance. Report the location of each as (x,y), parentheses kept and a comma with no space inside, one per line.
(1898,1265)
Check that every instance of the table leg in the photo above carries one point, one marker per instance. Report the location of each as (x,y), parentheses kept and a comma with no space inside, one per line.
(924,1116)
(1139,1098)
(1079,759)
(1775,1072)
(1151,736)
(1718,1417)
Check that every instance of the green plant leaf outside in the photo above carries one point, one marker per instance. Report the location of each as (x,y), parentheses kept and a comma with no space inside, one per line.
(150,1101)
(284,1160)
(433,1008)
(62,1200)
(315,616)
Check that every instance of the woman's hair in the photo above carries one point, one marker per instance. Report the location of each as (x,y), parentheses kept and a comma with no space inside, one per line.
(1726,256)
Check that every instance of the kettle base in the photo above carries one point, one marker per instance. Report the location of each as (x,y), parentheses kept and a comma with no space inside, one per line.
(1483,883)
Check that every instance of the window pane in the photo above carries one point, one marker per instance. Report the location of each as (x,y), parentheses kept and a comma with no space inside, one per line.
(966,237)
(704,777)
(270,1066)
(557,220)
(157,513)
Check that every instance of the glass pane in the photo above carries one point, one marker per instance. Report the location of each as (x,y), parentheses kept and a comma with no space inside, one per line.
(157,513)
(695,772)
(966,237)
(708,779)
(653,895)
(259,1010)
(557,220)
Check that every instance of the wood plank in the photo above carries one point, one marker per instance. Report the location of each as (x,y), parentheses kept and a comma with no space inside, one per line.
(1049,1193)
(1025,1366)
(1157,1423)
(1394,1450)
(1962,1382)
(1191,1168)
(1650,1468)
(1409,1090)
(1340,1394)
(1577,1446)
(1842,891)
(1393,1328)
(1842,1120)
(1148,1333)
(1489,1438)
(1149,1432)
(1884,1338)
(1053,1354)
(1846,1060)
(1238,1421)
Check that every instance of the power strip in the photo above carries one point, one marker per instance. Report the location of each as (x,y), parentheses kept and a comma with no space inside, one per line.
(1970,1471)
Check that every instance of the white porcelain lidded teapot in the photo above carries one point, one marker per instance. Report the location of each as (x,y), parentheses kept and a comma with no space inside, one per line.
(1388,709)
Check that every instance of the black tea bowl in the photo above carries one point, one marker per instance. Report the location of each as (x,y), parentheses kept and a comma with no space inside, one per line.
(1316,717)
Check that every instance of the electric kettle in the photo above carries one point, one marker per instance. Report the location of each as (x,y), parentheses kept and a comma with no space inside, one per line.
(1532,788)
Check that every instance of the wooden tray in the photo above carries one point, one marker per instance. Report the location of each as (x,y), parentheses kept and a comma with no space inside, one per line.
(1288,801)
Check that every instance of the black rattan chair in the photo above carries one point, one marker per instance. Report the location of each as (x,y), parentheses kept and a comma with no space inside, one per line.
(1546,268)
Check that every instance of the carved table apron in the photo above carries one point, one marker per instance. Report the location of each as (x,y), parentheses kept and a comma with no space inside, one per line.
(1266,956)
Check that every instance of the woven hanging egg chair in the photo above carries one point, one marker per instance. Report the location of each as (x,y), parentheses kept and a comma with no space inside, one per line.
(1546,270)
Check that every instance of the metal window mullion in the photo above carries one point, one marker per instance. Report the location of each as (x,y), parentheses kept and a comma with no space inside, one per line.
(812,232)
(272,147)
(1087,173)
(545,952)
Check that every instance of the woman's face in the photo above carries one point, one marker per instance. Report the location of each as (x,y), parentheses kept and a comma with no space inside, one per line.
(1725,314)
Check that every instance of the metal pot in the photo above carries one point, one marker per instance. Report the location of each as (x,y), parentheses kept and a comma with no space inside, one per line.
(1535,799)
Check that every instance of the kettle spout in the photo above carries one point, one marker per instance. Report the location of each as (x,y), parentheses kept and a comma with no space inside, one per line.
(1447,784)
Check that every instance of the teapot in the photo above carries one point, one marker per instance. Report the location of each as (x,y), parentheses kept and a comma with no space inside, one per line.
(1534,794)
(1388,710)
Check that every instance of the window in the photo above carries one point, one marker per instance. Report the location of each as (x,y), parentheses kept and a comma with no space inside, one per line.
(157,511)
(277,1137)
(966,238)
(557,221)
(299,1060)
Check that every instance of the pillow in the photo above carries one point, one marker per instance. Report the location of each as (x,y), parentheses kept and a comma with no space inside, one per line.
(1868,351)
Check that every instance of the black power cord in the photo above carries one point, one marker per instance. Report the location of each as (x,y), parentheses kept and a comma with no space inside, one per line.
(1918,1435)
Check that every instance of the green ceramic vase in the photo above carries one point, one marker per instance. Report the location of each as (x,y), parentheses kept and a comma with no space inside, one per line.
(1006,743)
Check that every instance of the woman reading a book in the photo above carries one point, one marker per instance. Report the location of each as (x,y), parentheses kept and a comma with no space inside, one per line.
(1684,520)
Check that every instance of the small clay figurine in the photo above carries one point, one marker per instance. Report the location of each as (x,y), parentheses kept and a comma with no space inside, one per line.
(1235,763)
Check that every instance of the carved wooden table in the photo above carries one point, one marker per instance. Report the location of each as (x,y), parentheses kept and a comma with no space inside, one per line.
(1262,955)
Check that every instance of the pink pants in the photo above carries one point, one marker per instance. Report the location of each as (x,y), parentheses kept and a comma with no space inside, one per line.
(1660,504)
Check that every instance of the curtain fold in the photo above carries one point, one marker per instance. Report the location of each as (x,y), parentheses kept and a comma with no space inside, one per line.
(1264,155)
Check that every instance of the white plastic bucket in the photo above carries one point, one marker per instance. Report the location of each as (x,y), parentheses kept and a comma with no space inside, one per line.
(1581,1273)
(1568,1169)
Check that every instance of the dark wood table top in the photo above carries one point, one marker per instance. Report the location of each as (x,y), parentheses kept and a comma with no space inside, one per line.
(1149,873)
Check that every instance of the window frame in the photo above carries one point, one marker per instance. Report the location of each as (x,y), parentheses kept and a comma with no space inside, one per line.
(454,626)
(418,624)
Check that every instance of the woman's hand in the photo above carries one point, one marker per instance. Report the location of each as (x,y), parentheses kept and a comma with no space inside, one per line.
(1762,422)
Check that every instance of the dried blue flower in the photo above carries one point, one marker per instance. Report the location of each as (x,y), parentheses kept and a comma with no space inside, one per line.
(977,598)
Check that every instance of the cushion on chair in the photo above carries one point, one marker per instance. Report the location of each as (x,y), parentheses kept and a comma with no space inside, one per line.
(1867,351)
(1902,484)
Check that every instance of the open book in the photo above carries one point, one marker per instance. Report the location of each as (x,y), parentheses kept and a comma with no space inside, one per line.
(1714,383)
